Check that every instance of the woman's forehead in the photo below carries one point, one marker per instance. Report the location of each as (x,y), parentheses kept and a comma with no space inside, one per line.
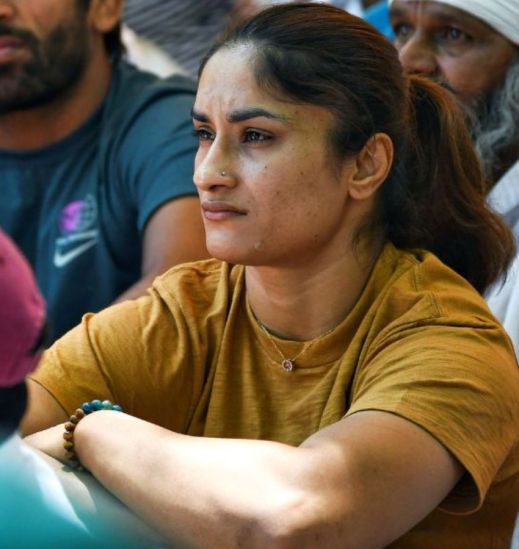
(229,82)
(227,70)
(230,60)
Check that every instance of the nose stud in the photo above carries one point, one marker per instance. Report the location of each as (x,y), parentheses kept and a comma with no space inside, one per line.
(223,174)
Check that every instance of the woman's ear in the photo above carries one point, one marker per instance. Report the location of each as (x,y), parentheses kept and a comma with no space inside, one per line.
(372,165)
(104,15)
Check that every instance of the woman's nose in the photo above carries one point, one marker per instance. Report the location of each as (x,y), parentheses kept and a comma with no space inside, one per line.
(213,171)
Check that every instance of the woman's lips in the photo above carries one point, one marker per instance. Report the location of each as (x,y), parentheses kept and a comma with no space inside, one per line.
(218,211)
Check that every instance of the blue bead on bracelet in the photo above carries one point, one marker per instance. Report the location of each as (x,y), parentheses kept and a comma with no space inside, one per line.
(96,405)
(85,409)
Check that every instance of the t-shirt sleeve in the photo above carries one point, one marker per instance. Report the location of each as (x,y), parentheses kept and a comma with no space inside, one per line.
(458,383)
(157,152)
(136,354)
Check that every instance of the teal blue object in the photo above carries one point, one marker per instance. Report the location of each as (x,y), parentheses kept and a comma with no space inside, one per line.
(96,405)
(87,407)
(36,512)
(378,16)
(27,521)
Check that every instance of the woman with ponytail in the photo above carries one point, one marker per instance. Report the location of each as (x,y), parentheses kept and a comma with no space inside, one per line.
(333,378)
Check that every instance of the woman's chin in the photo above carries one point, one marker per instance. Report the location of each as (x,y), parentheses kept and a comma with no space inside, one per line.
(226,252)
(233,257)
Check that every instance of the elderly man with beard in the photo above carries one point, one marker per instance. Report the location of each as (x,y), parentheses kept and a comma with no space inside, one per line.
(96,157)
(471,46)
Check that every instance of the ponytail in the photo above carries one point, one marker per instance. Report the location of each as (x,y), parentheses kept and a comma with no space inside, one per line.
(435,197)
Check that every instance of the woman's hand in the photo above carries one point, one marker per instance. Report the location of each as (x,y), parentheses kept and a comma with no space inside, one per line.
(50,441)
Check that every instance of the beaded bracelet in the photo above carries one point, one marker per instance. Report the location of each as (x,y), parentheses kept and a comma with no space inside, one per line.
(85,409)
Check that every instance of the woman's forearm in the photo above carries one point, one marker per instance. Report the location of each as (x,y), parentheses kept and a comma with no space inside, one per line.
(361,482)
(232,491)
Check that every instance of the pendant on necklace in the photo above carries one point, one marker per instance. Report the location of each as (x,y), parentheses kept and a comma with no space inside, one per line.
(287,365)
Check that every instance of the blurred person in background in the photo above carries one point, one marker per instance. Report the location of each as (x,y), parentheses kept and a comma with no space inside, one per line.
(374,12)
(184,30)
(471,47)
(42,506)
(96,158)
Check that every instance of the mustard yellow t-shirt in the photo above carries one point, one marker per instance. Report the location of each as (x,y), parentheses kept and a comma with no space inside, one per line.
(420,343)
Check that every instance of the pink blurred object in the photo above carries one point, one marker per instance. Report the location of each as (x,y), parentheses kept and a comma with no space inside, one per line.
(22,315)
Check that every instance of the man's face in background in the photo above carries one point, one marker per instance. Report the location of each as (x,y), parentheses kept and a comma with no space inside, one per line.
(44,49)
(477,63)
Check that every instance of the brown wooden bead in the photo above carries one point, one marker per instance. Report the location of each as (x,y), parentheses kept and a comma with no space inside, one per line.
(70,426)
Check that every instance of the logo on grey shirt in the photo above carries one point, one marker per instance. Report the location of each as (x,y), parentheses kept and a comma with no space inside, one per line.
(76,221)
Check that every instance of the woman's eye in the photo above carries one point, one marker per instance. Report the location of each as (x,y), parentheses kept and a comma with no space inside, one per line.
(203,134)
(255,136)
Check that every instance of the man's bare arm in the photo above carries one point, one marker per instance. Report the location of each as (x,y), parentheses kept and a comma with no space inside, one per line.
(174,234)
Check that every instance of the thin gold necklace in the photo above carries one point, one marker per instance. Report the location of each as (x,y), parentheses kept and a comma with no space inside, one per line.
(288,364)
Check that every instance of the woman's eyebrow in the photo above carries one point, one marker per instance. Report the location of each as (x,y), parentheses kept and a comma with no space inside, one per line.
(242,115)
(199,116)
(255,112)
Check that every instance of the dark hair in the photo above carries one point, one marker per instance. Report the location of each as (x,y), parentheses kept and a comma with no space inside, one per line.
(434,196)
(13,401)
(113,44)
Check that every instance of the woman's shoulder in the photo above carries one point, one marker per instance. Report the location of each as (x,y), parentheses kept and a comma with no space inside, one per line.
(420,276)
(413,292)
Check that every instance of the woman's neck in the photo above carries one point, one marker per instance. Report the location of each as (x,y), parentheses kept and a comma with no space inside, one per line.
(304,303)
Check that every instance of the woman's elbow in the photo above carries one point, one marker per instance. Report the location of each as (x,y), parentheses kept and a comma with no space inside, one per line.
(300,520)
